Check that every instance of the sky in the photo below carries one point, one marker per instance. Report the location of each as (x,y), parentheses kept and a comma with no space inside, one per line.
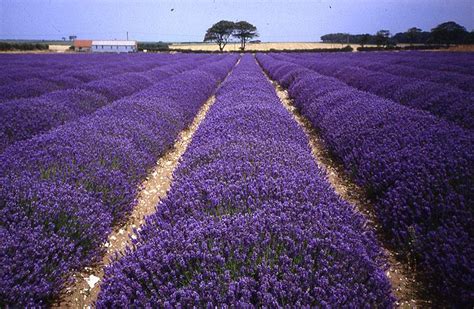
(188,20)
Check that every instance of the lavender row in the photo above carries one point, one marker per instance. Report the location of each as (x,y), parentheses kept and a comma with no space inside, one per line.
(24,118)
(85,70)
(443,101)
(44,81)
(51,67)
(462,63)
(461,81)
(418,170)
(381,64)
(444,62)
(128,83)
(249,220)
(61,192)
(429,61)
(54,80)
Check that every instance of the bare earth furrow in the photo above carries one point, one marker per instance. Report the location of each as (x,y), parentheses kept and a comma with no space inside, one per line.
(86,287)
(400,274)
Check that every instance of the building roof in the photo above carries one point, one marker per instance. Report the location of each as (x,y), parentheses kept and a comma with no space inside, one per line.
(115,43)
(82,43)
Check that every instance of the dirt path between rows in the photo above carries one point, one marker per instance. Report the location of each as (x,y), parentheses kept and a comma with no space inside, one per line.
(401,276)
(87,283)
(86,287)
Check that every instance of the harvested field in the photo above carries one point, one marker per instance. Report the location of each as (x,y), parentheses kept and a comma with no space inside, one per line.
(264,46)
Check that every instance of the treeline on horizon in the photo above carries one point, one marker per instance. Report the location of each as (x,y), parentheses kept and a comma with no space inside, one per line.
(446,33)
(6,46)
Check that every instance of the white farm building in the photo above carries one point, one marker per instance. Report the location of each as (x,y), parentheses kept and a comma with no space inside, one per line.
(114,46)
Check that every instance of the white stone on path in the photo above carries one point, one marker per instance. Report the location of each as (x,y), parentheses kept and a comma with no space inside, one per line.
(92,280)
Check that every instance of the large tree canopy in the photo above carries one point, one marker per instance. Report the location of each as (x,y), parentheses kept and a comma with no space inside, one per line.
(223,31)
(220,33)
(449,32)
(382,37)
(412,34)
(445,33)
(244,31)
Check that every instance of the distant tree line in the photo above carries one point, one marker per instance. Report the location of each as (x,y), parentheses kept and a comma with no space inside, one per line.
(6,46)
(446,33)
(153,46)
(224,31)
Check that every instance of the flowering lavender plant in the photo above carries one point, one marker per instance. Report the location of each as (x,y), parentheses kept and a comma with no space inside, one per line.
(416,167)
(441,100)
(250,220)
(24,118)
(61,192)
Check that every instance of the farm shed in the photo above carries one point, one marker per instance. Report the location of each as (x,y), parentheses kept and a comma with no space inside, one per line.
(82,45)
(114,46)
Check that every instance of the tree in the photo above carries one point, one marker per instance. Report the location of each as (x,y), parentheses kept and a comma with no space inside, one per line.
(340,38)
(364,39)
(470,38)
(244,32)
(449,33)
(413,34)
(381,37)
(220,33)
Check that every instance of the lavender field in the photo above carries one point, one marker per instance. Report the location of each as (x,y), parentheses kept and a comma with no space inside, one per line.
(253,216)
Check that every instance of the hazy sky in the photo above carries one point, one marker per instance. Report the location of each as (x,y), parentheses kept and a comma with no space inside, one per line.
(187,20)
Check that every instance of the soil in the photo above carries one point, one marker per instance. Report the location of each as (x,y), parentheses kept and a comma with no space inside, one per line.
(83,293)
(86,284)
(85,290)
(401,275)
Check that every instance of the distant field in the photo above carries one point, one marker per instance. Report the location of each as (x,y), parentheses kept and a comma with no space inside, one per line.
(59,48)
(63,46)
(265,46)
(260,46)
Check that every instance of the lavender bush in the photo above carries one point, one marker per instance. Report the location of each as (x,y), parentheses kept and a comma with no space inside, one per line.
(28,88)
(55,72)
(22,119)
(61,192)
(441,100)
(417,168)
(461,81)
(405,65)
(250,220)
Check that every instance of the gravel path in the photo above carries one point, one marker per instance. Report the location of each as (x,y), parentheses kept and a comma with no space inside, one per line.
(86,287)
(400,274)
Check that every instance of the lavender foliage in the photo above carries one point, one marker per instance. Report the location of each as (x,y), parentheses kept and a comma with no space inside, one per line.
(443,101)
(24,76)
(250,220)
(417,168)
(22,119)
(408,65)
(24,89)
(61,192)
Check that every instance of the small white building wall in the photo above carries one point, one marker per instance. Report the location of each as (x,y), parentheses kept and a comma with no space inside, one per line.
(113,48)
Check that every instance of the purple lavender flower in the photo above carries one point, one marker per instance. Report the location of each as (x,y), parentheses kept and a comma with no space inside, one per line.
(250,220)
(61,192)
(416,167)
